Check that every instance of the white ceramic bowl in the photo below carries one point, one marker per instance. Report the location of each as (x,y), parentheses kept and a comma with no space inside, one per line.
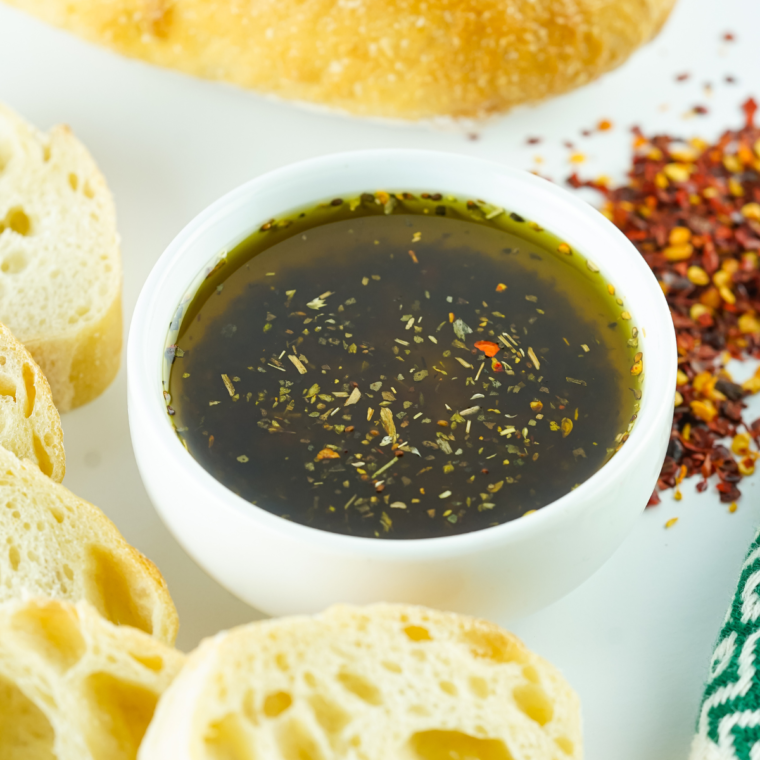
(282,567)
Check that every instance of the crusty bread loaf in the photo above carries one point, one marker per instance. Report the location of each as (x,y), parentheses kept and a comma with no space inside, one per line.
(55,544)
(410,59)
(60,267)
(384,682)
(30,426)
(73,686)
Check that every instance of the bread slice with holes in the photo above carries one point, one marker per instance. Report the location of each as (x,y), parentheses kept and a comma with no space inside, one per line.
(384,682)
(60,267)
(30,426)
(73,686)
(58,545)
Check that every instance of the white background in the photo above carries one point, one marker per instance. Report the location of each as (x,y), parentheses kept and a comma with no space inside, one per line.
(634,640)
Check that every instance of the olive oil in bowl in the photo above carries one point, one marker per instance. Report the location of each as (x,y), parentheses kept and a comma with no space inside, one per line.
(403,366)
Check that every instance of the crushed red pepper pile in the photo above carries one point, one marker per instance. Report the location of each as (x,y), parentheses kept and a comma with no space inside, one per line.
(693,211)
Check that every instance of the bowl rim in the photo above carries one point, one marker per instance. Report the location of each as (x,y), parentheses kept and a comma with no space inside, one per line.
(657,400)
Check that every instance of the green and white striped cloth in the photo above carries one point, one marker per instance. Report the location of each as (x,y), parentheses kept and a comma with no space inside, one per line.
(728,727)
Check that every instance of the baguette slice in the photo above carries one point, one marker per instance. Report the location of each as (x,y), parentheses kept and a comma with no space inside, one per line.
(384,682)
(58,545)
(73,686)
(60,267)
(30,426)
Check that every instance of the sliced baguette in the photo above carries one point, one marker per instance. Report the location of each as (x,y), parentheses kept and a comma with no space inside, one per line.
(30,426)
(73,686)
(380,683)
(56,544)
(60,267)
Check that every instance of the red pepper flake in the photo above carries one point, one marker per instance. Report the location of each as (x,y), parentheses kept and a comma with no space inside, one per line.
(489,348)
(693,211)
(533,140)
(750,109)
(729,37)
(700,110)
(683,77)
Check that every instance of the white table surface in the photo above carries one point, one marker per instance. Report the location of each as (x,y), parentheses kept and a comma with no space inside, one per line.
(636,638)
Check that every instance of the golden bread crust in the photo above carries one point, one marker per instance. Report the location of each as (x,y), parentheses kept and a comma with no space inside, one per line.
(409,59)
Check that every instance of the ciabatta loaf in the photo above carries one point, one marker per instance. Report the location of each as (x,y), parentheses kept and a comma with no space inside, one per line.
(60,267)
(58,545)
(30,426)
(408,59)
(73,686)
(377,683)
